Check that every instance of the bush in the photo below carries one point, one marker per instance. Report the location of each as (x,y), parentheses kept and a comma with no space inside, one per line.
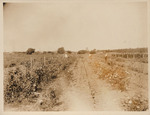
(69,52)
(82,51)
(135,103)
(44,52)
(93,51)
(61,50)
(30,51)
(50,52)
(20,85)
(25,81)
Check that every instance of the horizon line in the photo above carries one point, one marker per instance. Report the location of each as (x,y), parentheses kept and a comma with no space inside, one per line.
(80,49)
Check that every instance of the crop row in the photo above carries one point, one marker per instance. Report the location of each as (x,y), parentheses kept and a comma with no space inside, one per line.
(130,55)
(21,82)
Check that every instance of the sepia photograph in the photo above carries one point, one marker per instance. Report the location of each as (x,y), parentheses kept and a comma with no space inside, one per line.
(75,56)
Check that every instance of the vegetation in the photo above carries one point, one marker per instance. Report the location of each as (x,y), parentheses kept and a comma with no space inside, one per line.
(93,51)
(41,79)
(69,52)
(82,51)
(23,81)
(61,50)
(30,51)
(130,50)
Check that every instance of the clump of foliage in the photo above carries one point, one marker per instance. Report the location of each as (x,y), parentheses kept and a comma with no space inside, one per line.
(61,50)
(135,103)
(93,51)
(114,75)
(30,51)
(20,85)
(25,80)
(82,52)
(50,52)
(69,52)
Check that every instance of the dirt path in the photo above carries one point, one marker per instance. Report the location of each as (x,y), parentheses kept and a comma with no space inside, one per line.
(88,93)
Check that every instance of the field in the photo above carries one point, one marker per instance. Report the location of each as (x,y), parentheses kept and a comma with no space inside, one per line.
(79,82)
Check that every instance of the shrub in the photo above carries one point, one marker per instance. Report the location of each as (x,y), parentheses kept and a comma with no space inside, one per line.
(135,103)
(19,85)
(82,51)
(30,51)
(25,81)
(69,52)
(50,52)
(61,50)
(93,51)
(44,52)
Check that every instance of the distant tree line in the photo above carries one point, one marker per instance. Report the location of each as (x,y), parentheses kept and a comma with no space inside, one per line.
(61,50)
(129,50)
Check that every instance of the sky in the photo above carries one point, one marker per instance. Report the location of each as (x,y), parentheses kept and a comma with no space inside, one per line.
(74,26)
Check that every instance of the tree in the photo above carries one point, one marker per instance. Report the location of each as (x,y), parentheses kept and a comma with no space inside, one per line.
(30,51)
(61,50)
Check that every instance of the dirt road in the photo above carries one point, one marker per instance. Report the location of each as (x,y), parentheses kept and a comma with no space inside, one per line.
(86,92)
